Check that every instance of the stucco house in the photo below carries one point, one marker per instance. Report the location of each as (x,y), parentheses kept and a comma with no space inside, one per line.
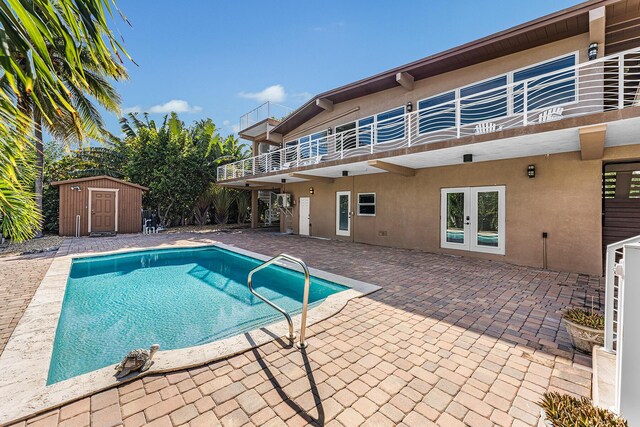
(522,146)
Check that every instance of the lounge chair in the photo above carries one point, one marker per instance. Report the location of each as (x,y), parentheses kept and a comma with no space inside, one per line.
(487,127)
(550,115)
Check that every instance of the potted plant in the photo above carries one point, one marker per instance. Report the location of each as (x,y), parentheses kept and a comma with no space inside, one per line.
(585,328)
(561,410)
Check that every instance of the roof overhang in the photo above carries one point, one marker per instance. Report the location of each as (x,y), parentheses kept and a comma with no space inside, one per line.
(547,29)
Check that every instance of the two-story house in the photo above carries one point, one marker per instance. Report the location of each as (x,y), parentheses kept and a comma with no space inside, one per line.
(523,146)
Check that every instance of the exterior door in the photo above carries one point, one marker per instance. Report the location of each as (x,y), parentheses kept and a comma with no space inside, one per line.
(343,213)
(304,207)
(473,219)
(103,211)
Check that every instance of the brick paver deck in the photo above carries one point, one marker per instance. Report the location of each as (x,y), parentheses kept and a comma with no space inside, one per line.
(448,341)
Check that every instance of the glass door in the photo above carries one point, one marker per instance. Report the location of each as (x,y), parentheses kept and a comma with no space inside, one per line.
(455,218)
(473,219)
(343,213)
(487,224)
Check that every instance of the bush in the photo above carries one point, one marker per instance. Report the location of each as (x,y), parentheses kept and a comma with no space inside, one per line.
(567,411)
(585,318)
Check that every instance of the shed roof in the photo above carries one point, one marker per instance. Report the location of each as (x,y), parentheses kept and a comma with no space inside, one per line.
(94,178)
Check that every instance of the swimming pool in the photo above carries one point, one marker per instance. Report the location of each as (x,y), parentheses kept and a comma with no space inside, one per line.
(177,298)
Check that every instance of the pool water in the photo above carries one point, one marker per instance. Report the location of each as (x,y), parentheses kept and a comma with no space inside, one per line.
(176,298)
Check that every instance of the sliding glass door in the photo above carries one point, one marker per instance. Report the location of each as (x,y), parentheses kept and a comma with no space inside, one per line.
(473,219)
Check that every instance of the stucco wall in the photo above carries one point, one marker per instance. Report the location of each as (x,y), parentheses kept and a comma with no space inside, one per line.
(564,199)
(398,96)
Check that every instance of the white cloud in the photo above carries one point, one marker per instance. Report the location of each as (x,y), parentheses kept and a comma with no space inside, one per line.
(235,128)
(332,26)
(133,109)
(226,123)
(175,106)
(274,93)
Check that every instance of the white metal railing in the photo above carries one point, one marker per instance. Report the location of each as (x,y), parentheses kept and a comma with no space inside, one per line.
(262,112)
(613,279)
(605,84)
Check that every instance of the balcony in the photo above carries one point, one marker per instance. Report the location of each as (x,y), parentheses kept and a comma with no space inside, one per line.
(606,84)
(257,123)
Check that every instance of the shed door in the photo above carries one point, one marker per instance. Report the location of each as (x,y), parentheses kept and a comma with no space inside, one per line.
(103,211)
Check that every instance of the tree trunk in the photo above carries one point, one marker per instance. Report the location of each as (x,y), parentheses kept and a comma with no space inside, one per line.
(39,179)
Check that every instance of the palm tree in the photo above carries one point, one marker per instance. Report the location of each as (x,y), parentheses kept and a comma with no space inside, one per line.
(54,52)
(68,127)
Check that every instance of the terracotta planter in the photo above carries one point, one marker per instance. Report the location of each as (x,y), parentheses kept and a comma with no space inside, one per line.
(582,337)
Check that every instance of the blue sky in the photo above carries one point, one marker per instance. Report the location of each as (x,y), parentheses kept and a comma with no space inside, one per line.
(216,59)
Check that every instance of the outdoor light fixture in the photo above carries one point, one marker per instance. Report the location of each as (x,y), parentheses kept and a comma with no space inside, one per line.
(531,171)
(284,181)
(345,173)
(592,52)
(246,184)
(329,131)
(409,107)
(467,158)
(75,188)
(310,190)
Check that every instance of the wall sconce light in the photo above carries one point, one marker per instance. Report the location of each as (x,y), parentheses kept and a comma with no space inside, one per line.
(409,107)
(329,131)
(311,190)
(467,158)
(284,181)
(592,52)
(531,171)
(345,173)
(75,188)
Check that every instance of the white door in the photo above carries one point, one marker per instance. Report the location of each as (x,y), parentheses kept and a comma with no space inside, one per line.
(473,219)
(343,213)
(304,206)
(455,217)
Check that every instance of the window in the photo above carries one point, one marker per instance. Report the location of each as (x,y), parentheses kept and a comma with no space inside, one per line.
(437,113)
(291,151)
(390,125)
(367,204)
(549,90)
(483,101)
(318,143)
(365,131)
(346,137)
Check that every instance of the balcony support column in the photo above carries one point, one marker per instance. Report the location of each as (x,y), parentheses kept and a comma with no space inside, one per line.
(254,209)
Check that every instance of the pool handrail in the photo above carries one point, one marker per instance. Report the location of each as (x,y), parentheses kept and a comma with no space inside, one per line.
(305,300)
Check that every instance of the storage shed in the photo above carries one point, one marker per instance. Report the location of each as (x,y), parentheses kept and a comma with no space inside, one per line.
(99,204)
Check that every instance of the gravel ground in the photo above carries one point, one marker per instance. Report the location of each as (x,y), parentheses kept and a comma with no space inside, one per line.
(37,245)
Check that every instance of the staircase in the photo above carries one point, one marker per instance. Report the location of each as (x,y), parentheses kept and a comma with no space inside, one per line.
(272,213)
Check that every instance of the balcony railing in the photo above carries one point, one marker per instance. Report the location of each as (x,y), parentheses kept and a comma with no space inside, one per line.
(604,84)
(262,112)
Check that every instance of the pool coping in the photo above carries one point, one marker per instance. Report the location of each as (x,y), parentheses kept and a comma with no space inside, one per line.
(24,363)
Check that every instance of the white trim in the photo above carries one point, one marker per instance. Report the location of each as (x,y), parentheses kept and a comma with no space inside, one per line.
(115,190)
(443,218)
(308,219)
(346,232)
(470,214)
(374,204)
(473,241)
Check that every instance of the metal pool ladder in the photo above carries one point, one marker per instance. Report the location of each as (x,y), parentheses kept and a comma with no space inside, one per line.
(305,300)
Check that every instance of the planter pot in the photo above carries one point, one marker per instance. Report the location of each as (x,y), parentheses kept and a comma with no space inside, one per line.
(582,337)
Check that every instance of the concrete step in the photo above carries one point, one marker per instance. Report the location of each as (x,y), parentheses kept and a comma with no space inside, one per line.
(604,374)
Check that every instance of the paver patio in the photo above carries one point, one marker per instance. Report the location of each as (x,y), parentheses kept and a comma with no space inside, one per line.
(446,341)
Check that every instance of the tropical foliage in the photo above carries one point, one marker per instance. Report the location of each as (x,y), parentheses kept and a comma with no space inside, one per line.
(562,410)
(583,317)
(53,52)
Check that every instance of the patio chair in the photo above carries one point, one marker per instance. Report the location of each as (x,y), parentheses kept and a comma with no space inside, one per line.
(550,115)
(487,127)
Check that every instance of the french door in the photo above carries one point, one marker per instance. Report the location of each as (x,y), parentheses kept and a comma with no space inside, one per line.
(343,213)
(472,219)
